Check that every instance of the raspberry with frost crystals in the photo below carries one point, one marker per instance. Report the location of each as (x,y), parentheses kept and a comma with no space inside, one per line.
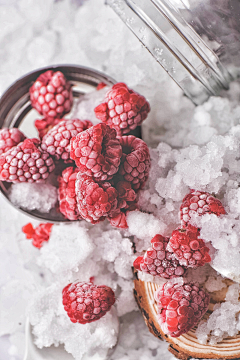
(10,138)
(85,302)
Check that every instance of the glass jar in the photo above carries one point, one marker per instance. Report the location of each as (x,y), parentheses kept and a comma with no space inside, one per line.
(196,41)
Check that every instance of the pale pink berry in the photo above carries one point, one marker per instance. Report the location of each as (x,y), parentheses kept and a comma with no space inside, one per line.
(10,138)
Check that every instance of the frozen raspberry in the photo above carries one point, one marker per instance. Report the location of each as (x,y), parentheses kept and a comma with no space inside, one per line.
(26,162)
(135,163)
(39,235)
(97,152)
(96,201)
(180,307)
(188,248)
(51,94)
(158,261)
(66,194)
(123,109)
(45,124)
(200,203)
(85,302)
(57,140)
(10,138)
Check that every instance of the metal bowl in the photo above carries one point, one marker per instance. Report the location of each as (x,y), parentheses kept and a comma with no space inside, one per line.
(16,111)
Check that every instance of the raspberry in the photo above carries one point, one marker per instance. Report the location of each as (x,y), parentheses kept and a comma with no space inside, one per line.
(97,152)
(180,307)
(51,94)
(10,138)
(39,235)
(158,261)
(57,140)
(123,109)
(200,203)
(66,194)
(85,302)
(135,163)
(26,162)
(188,249)
(45,124)
(96,201)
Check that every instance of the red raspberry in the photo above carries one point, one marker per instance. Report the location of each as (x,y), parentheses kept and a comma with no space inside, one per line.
(26,162)
(10,138)
(180,307)
(57,140)
(39,235)
(51,94)
(200,203)
(96,201)
(188,248)
(45,124)
(67,195)
(85,302)
(97,152)
(158,261)
(135,163)
(123,109)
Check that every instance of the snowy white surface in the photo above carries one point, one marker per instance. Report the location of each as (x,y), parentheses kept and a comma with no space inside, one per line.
(191,147)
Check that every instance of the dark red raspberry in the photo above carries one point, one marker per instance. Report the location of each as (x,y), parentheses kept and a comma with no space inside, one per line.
(97,152)
(188,248)
(96,201)
(67,195)
(158,261)
(200,203)
(123,109)
(26,162)
(51,94)
(45,124)
(10,138)
(57,140)
(180,307)
(39,235)
(135,163)
(85,302)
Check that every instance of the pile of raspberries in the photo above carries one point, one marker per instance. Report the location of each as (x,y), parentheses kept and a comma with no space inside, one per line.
(180,305)
(100,168)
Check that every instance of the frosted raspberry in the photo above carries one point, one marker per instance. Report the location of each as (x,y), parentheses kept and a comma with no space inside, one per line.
(26,162)
(51,94)
(180,307)
(123,109)
(66,194)
(45,124)
(10,138)
(96,201)
(158,261)
(188,248)
(200,203)
(97,152)
(135,163)
(85,302)
(39,235)
(57,140)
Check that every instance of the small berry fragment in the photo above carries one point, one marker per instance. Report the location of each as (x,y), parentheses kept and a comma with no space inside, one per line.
(200,203)
(158,261)
(180,307)
(122,109)
(51,94)
(39,235)
(10,138)
(85,302)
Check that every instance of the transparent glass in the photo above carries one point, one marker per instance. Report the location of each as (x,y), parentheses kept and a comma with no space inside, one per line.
(196,41)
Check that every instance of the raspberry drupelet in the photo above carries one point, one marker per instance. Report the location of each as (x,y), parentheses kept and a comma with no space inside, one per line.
(85,302)
(26,162)
(180,307)
(157,261)
(97,152)
(38,235)
(10,138)
(51,94)
(122,109)
(200,203)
